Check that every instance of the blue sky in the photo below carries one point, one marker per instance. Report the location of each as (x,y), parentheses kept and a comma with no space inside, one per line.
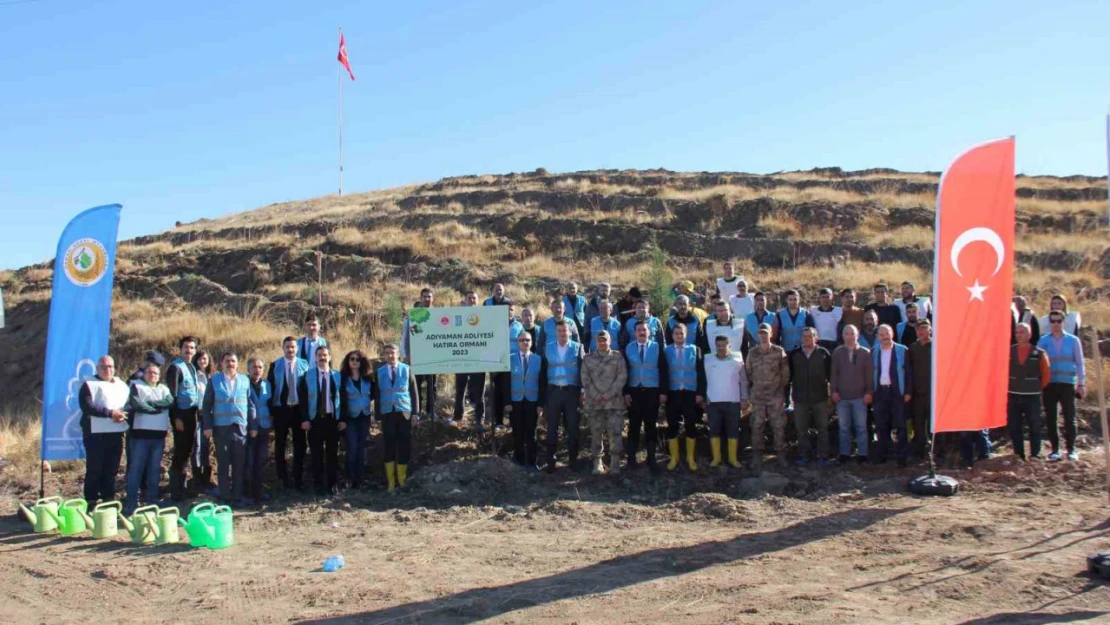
(188,110)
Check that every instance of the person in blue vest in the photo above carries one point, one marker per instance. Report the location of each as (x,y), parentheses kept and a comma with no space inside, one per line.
(397,401)
(905,333)
(759,316)
(869,333)
(893,384)
(181,380)
(791,320)
(1067,382)
(604,292)
(604,321)
(356,393)
(684,395)
(576,307)
(526,399)
(643,313)
(320,410)
(258,443)
(563,362)
(498,297)
(307,345)
(643,392)
(285,378)
(683,315)
(201,461)
(502,380)
(548,334)
(227,412)
(470,388)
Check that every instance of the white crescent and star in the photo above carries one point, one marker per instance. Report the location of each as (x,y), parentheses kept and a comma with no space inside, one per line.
(967,237)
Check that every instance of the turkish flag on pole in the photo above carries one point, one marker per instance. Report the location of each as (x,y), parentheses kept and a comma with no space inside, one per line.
(973,285)
(343,55)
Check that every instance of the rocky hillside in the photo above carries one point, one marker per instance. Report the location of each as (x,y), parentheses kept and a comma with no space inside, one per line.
(243,281)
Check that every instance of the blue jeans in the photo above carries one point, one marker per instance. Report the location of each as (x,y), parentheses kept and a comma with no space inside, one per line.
(144,468)
(358,430)
(975,444)
(852,415)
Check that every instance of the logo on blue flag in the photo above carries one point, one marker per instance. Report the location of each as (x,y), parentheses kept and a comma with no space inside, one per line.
(80,317)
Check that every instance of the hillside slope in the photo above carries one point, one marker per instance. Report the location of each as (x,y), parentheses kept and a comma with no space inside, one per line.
(244,281)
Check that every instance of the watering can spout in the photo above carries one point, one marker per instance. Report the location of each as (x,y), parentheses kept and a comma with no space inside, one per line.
(30,516)
(54,515)
(88,519)
(127,525)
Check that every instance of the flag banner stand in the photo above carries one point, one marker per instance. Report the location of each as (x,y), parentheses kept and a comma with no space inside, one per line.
(972,290)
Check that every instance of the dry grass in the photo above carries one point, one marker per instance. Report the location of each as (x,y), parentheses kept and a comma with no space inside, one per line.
(20,437)
(36,274)
(921,237)
(443,240)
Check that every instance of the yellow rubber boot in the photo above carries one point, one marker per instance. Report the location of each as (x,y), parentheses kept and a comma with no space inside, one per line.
(672,447)
(691,444)
(733,451)
(402,473)
(390,477)
(715,447)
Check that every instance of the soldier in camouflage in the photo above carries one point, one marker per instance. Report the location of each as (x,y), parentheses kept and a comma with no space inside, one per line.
(604,374)
(768,374)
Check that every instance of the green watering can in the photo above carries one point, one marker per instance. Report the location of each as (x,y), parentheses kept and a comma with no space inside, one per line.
(143,525)
(105,519)
(38,514)
(70,517)
(167,525)
(210,527)
(197,528)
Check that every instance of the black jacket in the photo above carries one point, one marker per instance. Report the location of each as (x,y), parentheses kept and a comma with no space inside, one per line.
(809,377)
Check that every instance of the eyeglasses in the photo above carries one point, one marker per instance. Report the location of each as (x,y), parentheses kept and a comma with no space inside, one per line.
(1055,321)
(354,359)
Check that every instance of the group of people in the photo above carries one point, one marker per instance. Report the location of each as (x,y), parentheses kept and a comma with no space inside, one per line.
(714,357)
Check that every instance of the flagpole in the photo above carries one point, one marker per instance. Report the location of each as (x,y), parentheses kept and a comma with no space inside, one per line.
(339,76)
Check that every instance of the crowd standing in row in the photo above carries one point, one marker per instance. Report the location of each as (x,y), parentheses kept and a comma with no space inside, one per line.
(711,360)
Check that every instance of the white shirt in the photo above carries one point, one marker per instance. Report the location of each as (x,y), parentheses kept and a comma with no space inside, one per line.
(726,379)
(826,322)
(924,307)
(884,364)
(742,306)
(562,350)
(728,288)
(1070,323)
(734,332)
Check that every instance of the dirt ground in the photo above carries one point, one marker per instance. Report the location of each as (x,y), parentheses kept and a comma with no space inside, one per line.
(479,540)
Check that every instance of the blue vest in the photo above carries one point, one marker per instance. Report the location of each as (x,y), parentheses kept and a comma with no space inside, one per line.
(394,394)
(576,308)
(312,382)
(643,372)
(300,366)
(358,397)
(550,335)
(526,386)
(869,344)
(228,408)
(515,328)
(752,321)
(187,395)
(261,401)
(682,368)
(897,364)
(692,324)
(791,330)
(302,348)
(1061,361)
(613,327)
(654,328)
(563,372)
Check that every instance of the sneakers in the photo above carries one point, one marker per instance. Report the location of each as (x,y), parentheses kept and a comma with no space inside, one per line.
(1055,457)
(1073,456)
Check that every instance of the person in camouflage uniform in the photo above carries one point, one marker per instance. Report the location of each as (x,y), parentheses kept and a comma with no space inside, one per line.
(768,374)
(604,374)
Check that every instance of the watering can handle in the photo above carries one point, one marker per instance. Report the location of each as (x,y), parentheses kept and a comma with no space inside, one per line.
(208,505)
(65,504)
(150,522)
(49,499)
(221,509)
(109,504)
(172,509)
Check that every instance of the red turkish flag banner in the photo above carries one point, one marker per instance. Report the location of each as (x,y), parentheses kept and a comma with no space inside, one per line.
(343,55)
(973,286)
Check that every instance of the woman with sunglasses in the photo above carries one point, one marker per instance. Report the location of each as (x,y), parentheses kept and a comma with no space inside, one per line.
(356,393)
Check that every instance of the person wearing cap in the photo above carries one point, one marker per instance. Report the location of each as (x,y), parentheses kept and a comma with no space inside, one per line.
(826,319)
(1030,374)
(768,376)
(1068,382)
(684,316)
(920,356)
(150,357)
(604,375)
(743,302)
(686,287)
